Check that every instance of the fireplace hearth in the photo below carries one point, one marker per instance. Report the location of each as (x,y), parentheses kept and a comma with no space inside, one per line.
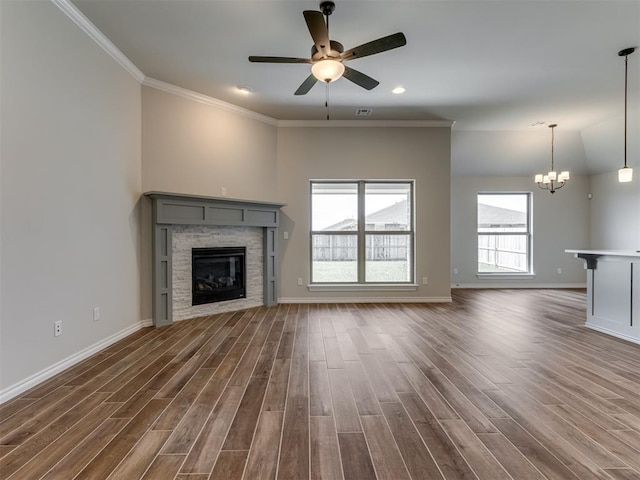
(218,274)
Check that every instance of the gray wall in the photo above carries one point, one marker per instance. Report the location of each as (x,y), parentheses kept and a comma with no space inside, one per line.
(80,143)
(191,147)
(71,180)
(615,207)
(365,153)
(195,148)
(615,212)
(516,153)
(560,221)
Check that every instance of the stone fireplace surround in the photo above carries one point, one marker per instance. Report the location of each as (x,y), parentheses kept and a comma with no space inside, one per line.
(182,222)
(187,237)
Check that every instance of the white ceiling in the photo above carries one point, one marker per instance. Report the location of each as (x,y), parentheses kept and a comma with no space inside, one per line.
(487,65)
(492,67)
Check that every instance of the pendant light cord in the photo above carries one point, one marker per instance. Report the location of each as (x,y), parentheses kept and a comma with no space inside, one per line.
(552,138)
(626,58)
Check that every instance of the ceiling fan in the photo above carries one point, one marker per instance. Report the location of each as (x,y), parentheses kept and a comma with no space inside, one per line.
(327,56)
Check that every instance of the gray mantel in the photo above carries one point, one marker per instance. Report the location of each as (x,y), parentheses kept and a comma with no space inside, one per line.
(171,209)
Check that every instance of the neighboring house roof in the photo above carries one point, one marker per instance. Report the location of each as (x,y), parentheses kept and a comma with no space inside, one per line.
(487,215)
(490,215)
(346,224)
(391,214)
(396,213)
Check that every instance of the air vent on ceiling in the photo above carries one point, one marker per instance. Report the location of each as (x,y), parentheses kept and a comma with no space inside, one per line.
(364,112)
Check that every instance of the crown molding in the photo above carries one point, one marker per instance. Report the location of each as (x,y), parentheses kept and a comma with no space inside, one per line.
(365,123)
(71,11)
(207,100)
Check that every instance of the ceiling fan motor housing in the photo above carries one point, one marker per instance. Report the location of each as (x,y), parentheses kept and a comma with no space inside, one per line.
(335,51)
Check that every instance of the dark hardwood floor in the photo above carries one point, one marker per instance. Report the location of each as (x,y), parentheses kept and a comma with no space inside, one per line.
(499,384)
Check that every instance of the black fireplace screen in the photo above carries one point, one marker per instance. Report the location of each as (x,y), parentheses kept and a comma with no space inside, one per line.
(218,274)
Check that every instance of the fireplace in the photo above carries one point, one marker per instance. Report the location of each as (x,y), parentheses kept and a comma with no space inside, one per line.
(184,222)
(218,274)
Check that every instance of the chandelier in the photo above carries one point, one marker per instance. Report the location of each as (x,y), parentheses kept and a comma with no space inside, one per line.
(552,181)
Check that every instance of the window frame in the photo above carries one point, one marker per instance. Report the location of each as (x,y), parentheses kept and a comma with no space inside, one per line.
(528,233)
(361,233)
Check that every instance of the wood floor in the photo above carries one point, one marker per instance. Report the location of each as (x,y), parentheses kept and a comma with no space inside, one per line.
(499,384)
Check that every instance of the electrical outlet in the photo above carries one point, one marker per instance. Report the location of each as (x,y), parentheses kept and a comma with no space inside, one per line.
(455,271)
(223,191)
(559,271)
(425,281)
(96,314)
(286,235)
(300,281)
(57,328)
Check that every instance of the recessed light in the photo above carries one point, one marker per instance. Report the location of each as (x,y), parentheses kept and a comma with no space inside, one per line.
(245,90)
(398,90)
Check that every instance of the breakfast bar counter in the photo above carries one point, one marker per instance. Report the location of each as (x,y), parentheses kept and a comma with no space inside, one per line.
(613,291)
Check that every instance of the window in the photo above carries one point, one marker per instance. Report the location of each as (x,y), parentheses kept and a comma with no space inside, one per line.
(362,232)
(504,233)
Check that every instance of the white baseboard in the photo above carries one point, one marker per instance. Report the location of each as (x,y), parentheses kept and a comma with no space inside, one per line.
(364,299)
(29,382)
(613,333)
(518,285)
(146,323)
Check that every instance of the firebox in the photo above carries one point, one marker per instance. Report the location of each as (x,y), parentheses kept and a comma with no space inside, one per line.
(218,274)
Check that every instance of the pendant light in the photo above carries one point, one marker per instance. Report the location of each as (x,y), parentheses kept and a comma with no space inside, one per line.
(552,181)
(625,174)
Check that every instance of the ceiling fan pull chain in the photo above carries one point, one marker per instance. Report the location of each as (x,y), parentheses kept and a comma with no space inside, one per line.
(326,98)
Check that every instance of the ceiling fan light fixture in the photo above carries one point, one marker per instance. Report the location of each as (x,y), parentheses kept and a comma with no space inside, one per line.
(327,70)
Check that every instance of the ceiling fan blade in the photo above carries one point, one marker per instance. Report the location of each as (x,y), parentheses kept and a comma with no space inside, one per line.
(376,46)
(360,78)
(259,59)
(318,30)
(306,85)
